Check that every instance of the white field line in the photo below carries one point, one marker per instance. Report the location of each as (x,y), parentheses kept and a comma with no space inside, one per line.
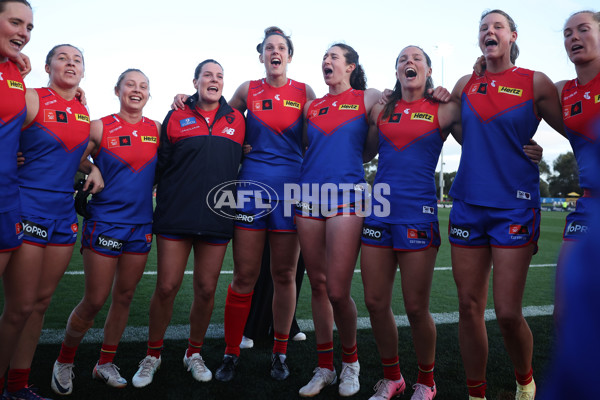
(181,332)
(356,271)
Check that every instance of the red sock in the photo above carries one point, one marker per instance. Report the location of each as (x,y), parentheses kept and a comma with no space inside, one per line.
(391,368)
(17,379)
(280,343)
(237,308)
(154,348)
(425,376)
(67,354)
(325,354)
(349,355)
(193,348)
(524,379)
(476,388)
(107,353)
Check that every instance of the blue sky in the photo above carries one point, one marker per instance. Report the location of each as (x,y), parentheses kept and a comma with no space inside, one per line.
(167,40)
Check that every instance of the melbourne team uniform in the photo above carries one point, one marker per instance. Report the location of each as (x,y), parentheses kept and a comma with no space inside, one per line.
(12,114)
(198,158)
(496,189)
(403,214)
(332,177)
(52,145)
(581,116)
(121,214)
(274,130)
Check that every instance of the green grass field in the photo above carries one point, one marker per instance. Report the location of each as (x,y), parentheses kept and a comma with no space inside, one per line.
(253,381)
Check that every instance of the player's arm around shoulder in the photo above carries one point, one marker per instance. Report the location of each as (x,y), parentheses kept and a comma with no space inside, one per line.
(451,110)
(238,101)
(310,94)
(305,126)
(372,142)
(547,102)
(372,97)
(33,105)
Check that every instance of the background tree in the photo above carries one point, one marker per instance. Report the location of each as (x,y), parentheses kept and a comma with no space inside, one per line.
(448,179)
(371,169)
(544,174)
(566,176)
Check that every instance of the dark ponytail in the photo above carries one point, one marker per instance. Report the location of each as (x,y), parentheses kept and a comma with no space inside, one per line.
(358,79)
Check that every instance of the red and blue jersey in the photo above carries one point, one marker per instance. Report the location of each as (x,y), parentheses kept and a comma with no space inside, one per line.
(127,159)
(52,145)
(410,143)
(581,116)
(274,130)
(337,130)
(12,114)
(498,119)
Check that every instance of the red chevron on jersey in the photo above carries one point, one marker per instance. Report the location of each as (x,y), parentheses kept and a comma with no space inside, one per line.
(277,108)
(331,113)
(505,91)
(134,145)
(409,123)
(581,107)
(62,119)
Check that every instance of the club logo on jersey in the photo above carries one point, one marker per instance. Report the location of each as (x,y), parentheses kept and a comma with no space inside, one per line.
(416,234)
(570,110)
(82,118)
(263,105)
(480,88)
(229,118)
(188,121)
(371,232)
(119,141)
(148,238)
(324,111)
(511,91)
(353,107)
(35,230)
(421,116)
(149,139)
(291,104)
(15,85)
(108,243)
(523,195)
(516,229)
(395,118)
(55,116)
(458,232)
(428,210)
